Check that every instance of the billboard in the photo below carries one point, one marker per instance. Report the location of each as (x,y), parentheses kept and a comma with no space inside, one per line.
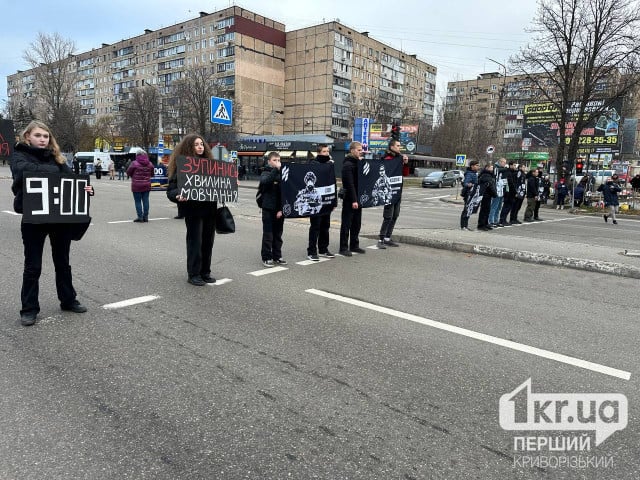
(601,135)
(380,134)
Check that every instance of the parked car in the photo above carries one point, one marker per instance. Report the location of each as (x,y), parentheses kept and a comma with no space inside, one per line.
(440,179)
(459,175)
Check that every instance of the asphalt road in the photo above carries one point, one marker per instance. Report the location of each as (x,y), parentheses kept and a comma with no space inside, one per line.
(384,365)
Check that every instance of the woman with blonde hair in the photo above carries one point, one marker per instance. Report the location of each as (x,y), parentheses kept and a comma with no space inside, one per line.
(199,217)
(38,152)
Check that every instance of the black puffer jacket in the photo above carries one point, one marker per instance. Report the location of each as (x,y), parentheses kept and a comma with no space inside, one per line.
(487,184)
(350,179)
(270,187)
(27,159)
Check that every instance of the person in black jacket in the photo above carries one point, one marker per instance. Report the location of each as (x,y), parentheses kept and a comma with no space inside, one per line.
(38,152)
(272,217)
(487,186)
(351,210)
(509,197)
(391,212)
(533,195)
(199,217)
(319,224)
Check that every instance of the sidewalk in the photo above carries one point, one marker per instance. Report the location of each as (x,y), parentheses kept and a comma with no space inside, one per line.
(543,252)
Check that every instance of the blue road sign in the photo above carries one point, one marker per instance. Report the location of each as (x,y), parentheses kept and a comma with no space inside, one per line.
(221,111)
(461,159)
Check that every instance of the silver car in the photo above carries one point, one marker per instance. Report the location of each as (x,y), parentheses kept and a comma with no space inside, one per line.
(440,179)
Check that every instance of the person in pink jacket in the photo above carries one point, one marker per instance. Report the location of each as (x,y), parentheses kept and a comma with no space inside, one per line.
(140,171)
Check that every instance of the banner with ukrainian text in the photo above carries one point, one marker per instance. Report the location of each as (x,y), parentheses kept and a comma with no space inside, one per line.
(308,189)
(379,182)
(204,180)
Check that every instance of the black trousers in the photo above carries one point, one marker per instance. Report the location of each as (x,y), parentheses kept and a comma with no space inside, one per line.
(272,229)
(485,208)
(350,228)
(517,205)
(507,205)
(319,234)
(33,237)
(389,216)
(201,231)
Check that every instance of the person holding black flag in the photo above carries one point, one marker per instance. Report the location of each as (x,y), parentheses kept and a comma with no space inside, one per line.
(38,152)
(272,217)
(319,224)
(391,212)
(199,217)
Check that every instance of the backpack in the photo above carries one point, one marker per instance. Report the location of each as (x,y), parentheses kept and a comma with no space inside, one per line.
(259,196)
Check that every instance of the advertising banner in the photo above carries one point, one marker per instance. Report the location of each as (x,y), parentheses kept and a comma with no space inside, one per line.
(308,189)
(601,135)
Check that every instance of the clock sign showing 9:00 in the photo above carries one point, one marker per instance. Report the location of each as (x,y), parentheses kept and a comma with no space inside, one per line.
(55,198)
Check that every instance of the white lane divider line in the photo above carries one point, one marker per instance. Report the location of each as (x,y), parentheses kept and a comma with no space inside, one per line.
(130,302)
(558,357)
(266,271)
(131,221)
(311,262)
(220,281)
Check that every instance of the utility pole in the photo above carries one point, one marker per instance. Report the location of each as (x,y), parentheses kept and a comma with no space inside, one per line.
(499,104)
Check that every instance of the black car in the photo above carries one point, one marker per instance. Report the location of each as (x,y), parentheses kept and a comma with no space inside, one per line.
(440,179)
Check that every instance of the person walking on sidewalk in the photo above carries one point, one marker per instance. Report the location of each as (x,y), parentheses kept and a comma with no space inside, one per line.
(561,193)
(272,217)
(610,192)
(469,188)
(319,225)
(391,212)
(351,209)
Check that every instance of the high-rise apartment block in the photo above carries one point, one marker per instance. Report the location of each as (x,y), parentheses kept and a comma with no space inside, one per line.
(312,80)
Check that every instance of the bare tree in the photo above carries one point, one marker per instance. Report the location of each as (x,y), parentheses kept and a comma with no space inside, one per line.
(583,50)
(106,128)
(141,114)
(191,103)
(51,58)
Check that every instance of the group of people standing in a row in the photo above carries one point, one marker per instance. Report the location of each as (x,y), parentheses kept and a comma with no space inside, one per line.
(499,191)
(351,218)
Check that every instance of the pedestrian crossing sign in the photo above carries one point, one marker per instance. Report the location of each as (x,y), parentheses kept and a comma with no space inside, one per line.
(461,160)
(221,111)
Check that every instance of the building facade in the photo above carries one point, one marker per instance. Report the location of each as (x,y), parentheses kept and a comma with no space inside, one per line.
(313,80)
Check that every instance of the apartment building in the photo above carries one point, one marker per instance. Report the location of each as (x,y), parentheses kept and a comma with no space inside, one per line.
(312,80)
(244,52)
(334,73)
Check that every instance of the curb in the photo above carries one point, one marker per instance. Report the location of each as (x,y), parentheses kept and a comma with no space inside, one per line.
(609,268)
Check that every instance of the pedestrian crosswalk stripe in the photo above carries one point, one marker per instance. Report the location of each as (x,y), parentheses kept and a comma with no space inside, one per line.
(221,112)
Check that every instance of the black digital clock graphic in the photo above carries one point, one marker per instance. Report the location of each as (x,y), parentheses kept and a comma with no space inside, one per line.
(55,198)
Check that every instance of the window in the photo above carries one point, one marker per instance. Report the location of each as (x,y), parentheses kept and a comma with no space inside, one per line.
(227,22)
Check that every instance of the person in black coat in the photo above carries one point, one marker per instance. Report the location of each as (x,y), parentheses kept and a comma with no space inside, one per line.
(272,217)
(487,186)
(509,197)
(351,209)
(199,217)
(319,225)
(533,195)
(38,152)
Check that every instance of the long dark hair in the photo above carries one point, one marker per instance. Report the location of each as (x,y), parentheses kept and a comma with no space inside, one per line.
(186,148)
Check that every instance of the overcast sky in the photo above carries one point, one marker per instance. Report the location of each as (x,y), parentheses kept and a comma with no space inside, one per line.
(456,36)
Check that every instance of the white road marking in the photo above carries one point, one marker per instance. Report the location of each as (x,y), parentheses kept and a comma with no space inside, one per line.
(311,262)
(10,212)
(220,281)
(267,270)
(558,357)
(131,221)
(131,301)
(375,247)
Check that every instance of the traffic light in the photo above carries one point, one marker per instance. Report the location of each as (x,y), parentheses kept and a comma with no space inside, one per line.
(579,167)
(395,131)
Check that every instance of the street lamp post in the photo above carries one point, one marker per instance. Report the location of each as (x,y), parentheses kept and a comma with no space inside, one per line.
(499,106)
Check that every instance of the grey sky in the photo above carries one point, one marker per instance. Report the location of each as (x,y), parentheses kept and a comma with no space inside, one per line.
(456,36)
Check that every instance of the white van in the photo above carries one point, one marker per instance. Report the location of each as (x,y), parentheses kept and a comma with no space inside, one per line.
(600,176)
(87,160)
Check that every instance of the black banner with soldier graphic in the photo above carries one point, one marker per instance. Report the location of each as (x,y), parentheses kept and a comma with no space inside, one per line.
(379,182)
(308,189)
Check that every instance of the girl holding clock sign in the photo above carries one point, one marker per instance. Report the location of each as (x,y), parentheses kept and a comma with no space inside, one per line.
(37,152)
